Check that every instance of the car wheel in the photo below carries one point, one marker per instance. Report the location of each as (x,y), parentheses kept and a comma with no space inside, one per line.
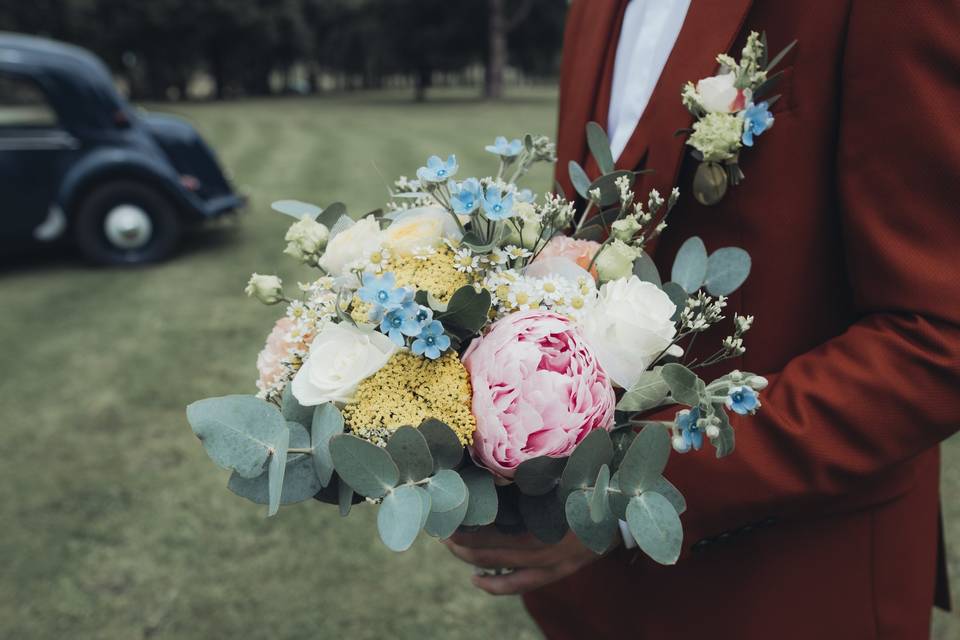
(126,222)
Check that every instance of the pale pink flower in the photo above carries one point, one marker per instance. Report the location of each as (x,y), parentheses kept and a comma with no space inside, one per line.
(579,251)
(538,390)
(277,349)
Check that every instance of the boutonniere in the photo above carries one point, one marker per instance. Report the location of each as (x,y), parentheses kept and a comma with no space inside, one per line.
(730,110)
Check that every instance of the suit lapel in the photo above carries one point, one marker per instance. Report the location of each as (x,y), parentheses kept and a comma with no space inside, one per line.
(710,27)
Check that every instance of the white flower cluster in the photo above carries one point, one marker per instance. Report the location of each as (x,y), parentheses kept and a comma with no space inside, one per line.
(702,312)
(511,291)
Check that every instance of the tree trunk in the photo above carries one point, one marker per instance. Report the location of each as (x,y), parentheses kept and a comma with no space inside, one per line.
(497,50)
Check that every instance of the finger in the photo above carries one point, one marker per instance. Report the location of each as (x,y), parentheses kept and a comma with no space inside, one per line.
(490,538)
(515,583)
(500,558)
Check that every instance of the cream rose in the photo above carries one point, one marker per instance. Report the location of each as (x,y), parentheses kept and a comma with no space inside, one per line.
(351,246)
(341,357)
(719,94)
(266,289)
(628,326)
(420,227)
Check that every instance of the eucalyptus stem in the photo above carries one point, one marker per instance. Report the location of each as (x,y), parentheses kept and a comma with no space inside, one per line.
(583,218)
(308,451)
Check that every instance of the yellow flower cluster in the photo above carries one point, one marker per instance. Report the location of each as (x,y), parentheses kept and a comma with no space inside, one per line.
(436,273)
(408,390)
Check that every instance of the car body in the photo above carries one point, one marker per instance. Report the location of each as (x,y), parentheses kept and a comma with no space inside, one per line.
(76,160)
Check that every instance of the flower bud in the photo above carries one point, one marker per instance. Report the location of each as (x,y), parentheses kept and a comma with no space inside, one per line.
(616,261)
(678,444)
(625,228)
(266,289)
(757,383)
(712,431)
(306,240)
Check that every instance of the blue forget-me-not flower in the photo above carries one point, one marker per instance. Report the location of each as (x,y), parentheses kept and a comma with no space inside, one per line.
(432,341)
(496,204)
(465,197)
(743,400)
(437,170)
(401,321)
(690,434)
(505,149)
(756,119)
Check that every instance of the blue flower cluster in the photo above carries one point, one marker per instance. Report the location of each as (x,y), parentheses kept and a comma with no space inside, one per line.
(756,119)
(469,195)
(691,434)
(400,317)
(743,400)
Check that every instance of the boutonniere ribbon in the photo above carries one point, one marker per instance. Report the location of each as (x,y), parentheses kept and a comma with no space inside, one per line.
(730,109)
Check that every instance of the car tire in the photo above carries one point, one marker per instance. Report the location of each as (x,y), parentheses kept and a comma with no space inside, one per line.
(126,222)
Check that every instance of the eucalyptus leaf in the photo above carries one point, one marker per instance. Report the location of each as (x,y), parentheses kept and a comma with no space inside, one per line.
(690,265)
(367,468)
(299,481)
(482,496)
(645,459)
(344,497)
(622,439)
(443,443)
(596,536)
(410,452)
(599,145)
(447,491)
(683,383)
(617,500)
(780,56)
(327,422)
(579,179)
(426,502)
(399,517)
(296,209)
(655,526)
(540,475)
(599,506)
(544,516)
(238,432)
(726,442)
(645,269)
(648,392)
(677,296)
(467,310)
(442,525)
(607,184)
(584,463)
(277,468)
(332,214)
(727,269)
(665,488)
(292,410)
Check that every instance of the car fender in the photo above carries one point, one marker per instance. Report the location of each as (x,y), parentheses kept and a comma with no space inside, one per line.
(111,163)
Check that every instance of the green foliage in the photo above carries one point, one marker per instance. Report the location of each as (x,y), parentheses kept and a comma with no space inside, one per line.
(690,265)
(238,432)
(599,145)
(443,443)
(443,524)
(726,441)
(649,392)
(410,452)
(655,525)
(544,516)
(293,411)
(466,313)
(367,468)
(607,184)
(482,503)
(332,214)
(401,516)
(327,422)
(344,497)
(645,269)
(599,507)
(540,475)
(581,183)
(645,460)
(447,491)
(299,481)
(584,463)
(277,468)
(677,296)
(685,386)
(727,269)
(596,536)
(296,209)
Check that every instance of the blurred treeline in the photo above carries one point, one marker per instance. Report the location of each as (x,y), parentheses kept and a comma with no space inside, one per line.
(181,49)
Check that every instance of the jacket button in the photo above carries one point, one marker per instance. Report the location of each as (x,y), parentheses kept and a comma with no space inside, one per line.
(769,522)
(724,537)
(747,528)
(701,545)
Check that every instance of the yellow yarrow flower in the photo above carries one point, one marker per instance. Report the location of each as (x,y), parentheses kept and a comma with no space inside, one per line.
(435,273)
(408,390)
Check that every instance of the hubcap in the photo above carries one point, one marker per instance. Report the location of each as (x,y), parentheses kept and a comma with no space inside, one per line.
(127,226)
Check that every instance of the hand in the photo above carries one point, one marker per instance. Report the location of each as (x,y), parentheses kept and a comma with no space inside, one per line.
(534,563)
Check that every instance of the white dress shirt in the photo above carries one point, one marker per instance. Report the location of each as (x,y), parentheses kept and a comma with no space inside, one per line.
(650,29)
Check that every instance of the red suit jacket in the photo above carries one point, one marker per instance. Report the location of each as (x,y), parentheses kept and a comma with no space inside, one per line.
(824,521)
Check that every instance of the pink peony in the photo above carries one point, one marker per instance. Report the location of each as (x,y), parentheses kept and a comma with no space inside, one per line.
(274,352)
(538,390)
(579,251)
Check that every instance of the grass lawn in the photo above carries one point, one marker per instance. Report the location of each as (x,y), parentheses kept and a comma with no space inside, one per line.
(116,525)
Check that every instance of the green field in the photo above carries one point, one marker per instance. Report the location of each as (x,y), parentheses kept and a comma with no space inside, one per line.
(115,523)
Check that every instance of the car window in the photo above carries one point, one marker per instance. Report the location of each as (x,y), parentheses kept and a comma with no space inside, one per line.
(23,104)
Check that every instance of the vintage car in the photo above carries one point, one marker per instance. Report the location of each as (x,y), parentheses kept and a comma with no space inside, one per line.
(78,162)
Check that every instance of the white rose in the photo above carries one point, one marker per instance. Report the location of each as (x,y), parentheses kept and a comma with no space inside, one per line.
(628,326)
(266,289)
(420,227)
(341,357)
(351,245)
(718,93)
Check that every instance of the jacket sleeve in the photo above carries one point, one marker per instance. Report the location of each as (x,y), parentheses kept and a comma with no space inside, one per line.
(849,411)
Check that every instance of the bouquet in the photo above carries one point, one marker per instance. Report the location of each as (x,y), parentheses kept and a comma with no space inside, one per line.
(475,354)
